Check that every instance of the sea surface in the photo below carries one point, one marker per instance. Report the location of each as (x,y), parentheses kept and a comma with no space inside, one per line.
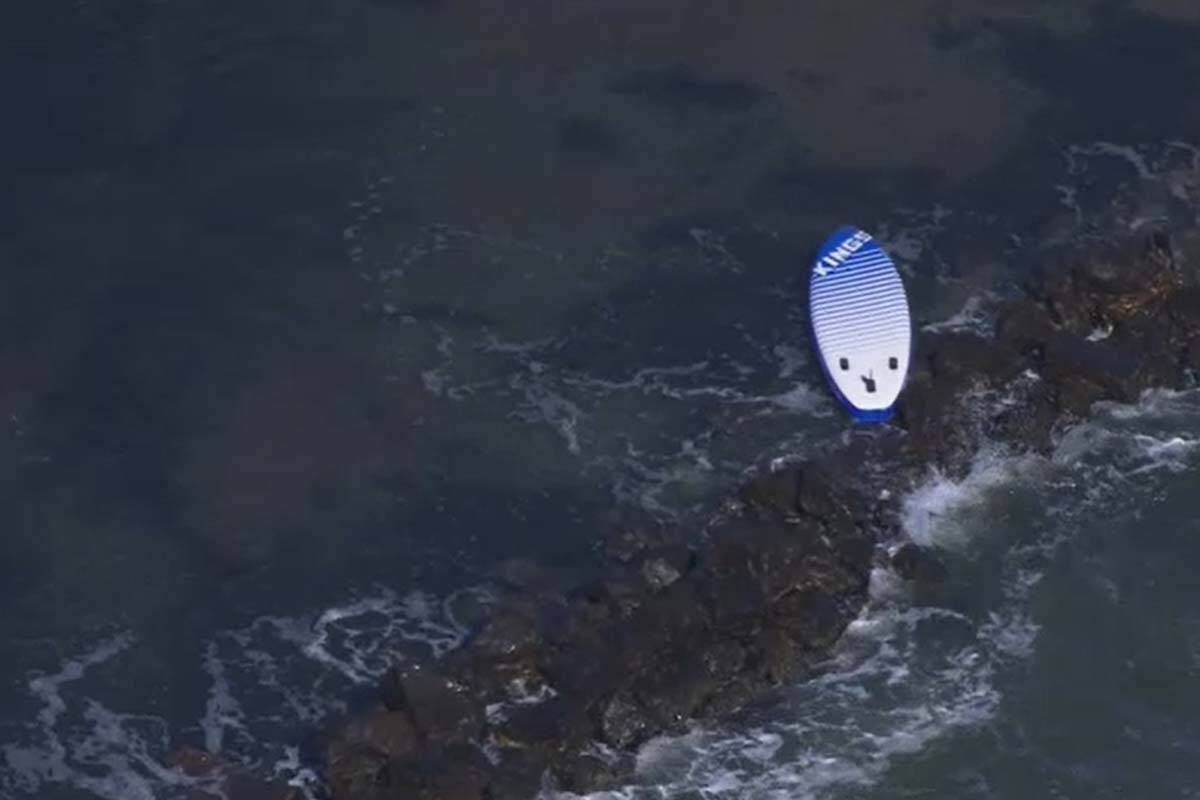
(310,313)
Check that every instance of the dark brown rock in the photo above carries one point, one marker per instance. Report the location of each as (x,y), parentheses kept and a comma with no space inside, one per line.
(957,360)
(441,710)
(722,658)
(458,772)
(1076,395)
(1096,362)
(553,724)
(663,566)
(813,618)
(1191,354)
(931,418)
(781,657)
(1024,326)
(355,772)
(511,633)
(674,691)
(623,721)
(390,733)
(584,773)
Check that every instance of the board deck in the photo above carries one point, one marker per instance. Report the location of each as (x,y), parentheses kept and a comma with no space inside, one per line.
(861,323)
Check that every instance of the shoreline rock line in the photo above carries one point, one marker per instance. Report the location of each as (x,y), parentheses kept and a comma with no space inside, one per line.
(564,676)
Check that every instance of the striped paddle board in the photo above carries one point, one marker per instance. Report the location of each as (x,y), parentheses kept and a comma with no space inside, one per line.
(861,324)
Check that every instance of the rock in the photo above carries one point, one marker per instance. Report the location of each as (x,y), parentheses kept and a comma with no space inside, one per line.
(553,724)
(781,657)
(664,566)
(520,776)
(588,669)
(1028,423)
(1076,395)
(615,597)
(675,690)
(933,421)
(819,495)
(441,710)
(722,658)
(813,618)
(391,734)
(957,360)
(459,772)
(1191,354)
(1023,326)
(1097,362)
(1157,357)
(584,773)
(918,564)
(623,721)
(511,633)
(1183,309)
(355,772)
(774,492)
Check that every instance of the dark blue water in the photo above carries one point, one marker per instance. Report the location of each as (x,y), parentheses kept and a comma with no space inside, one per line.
(310,314)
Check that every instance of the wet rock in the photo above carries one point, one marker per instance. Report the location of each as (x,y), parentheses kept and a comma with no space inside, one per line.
(918,564)
(780,656)
(664,566)
(774,492)
(614,597)
(585,773)
(933,421)
(355,772)
(1183,309)
(820,495)
(958,359)
(722,658)
(674,691)
(1096,362)
(1076,395)
(1028,423)
(459,772)
(391,734)
(623,722)
(588,669)
(441,710)
(553,724)
(1191,354)
(510,634)
(521,775)
(1024,326)
(813,618)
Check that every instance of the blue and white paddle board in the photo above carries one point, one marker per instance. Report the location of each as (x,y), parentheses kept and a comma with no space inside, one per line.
(861,324)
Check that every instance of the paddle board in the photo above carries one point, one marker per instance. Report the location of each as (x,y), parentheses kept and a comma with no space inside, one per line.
(860,323)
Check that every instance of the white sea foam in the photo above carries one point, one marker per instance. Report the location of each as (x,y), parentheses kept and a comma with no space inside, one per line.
(268,681)
(931,514)
(973,317)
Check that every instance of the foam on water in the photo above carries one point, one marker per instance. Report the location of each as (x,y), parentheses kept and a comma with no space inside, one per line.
(268,681)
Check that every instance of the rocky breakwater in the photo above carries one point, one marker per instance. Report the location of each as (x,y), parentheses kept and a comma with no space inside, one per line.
(565,676)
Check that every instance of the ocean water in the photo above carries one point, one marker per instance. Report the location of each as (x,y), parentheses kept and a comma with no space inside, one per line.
(311,315)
